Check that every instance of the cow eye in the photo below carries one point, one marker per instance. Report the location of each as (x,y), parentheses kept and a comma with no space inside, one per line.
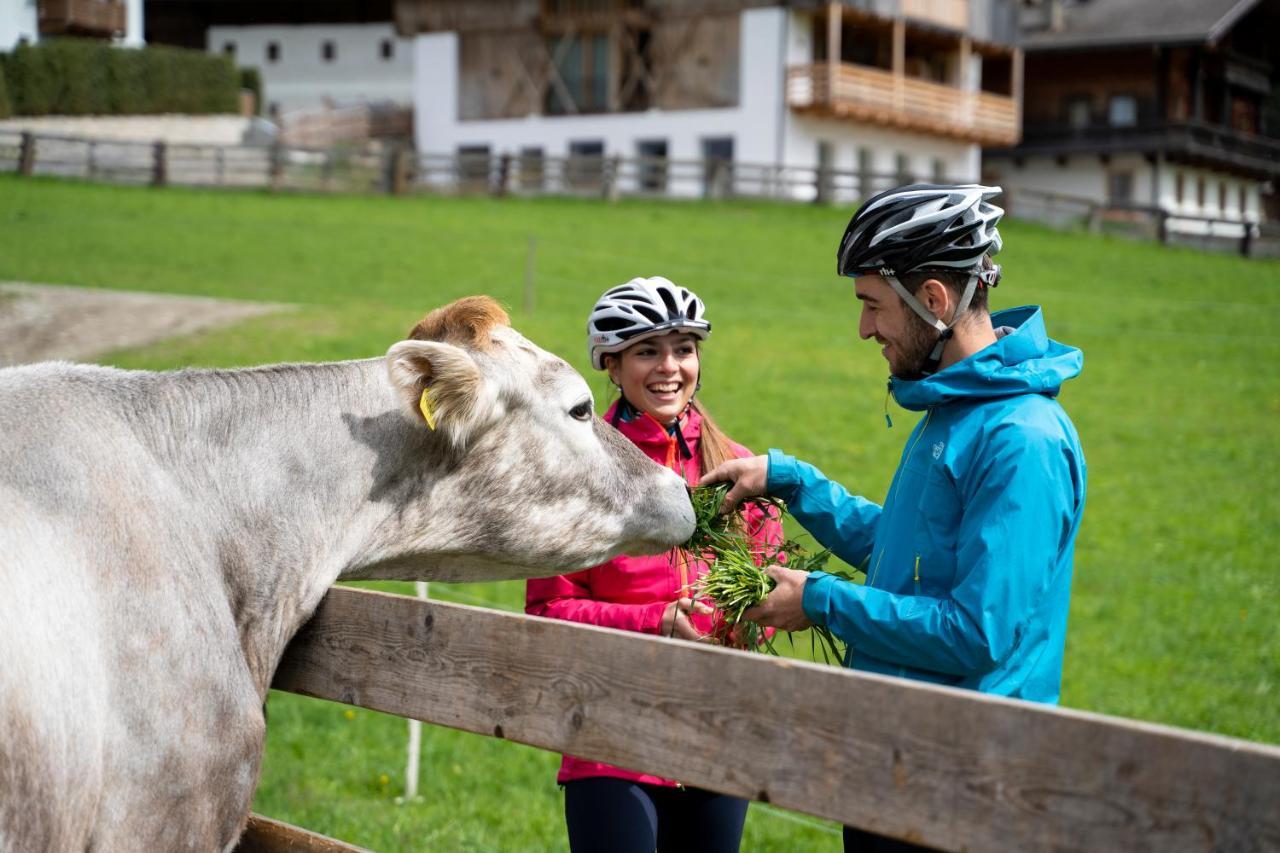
(582,411)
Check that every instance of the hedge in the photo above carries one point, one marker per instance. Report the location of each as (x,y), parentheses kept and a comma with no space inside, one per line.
(67,76)
(6,106)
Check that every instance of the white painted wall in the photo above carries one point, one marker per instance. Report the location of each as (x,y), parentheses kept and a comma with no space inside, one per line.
(302,79)
(17,21)
(1086,177)
(752,124)
(762,127)
(133,24)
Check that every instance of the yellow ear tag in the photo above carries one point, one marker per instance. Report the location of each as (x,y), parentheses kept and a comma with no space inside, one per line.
(425,405)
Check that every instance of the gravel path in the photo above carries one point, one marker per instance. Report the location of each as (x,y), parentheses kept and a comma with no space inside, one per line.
(40,322)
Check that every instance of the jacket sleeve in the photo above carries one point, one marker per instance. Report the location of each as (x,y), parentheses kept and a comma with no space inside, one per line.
(840,521)
(569,597)
(1019,508)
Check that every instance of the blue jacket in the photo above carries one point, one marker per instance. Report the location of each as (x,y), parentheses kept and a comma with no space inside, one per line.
(969,560)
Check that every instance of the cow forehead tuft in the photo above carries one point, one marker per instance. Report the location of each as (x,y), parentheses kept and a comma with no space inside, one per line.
(465,322)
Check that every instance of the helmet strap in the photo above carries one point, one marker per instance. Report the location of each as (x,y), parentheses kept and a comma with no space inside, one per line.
(945,330)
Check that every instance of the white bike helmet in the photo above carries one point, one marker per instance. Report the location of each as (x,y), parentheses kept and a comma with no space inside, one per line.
(642,308)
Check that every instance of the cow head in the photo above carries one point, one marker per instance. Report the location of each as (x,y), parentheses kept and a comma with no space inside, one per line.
(523,478)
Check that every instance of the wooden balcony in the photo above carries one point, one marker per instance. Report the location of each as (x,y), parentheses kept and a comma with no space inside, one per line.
(880,97)
(952,14)
(101,18)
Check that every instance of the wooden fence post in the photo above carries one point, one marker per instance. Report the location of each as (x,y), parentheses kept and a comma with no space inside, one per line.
(504,176)
(27,154)
(1246,241)
(275,171)
(91,166)
(160,164)
(401,166)
(609,179)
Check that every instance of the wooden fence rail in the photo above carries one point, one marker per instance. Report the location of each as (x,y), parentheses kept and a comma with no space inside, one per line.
(947,768)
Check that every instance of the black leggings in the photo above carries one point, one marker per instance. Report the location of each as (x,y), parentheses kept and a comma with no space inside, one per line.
(617,816)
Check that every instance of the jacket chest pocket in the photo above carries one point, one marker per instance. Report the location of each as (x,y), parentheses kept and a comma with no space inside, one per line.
(937,529)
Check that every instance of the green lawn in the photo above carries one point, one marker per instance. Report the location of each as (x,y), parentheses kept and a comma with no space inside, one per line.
(1176,607)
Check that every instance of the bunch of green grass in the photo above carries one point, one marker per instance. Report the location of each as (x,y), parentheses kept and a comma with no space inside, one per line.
(735,580)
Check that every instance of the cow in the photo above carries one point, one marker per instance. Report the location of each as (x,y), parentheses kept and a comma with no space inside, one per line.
(164,535)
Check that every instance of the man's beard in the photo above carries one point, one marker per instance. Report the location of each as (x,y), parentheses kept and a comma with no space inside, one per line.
(919,339)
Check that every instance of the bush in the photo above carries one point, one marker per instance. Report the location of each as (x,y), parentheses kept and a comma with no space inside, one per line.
(6,106)
(251,79)
(84,77)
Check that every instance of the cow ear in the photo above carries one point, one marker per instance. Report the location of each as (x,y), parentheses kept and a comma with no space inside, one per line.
(458,401)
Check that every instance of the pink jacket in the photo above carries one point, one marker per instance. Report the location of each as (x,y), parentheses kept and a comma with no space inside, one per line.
(631,593)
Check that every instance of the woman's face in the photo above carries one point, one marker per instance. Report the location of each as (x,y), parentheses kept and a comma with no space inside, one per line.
(658,375)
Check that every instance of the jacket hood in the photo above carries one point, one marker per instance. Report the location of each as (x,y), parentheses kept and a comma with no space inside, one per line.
(1023,361)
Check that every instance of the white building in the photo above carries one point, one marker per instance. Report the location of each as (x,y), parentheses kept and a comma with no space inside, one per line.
(920,85)
(307,66)
(26,21)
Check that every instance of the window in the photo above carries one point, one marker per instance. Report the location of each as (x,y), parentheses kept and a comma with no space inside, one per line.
(1222,198)
(586,163)
(1122,111)
(387,50)
(653,164)
(473,166)
(865,189)
(229,49)
(1078,112)
(902,168)
(1243,202)
(1120,188)
(717,170)
(532,168)
(1200,192)
(273,51)
(939,170)
(582,68)
(1179,188)
(328,50)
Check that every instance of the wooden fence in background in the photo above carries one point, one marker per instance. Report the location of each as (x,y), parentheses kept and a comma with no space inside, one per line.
(947,768)
(399,170)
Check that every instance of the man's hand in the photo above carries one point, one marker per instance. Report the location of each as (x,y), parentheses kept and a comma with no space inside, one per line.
(749,477)
(675,619)
(782,609)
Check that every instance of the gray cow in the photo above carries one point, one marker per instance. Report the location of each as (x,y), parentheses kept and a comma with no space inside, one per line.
(163,535)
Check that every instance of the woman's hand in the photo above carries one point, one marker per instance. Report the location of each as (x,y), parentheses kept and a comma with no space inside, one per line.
(675,619)
(749,476)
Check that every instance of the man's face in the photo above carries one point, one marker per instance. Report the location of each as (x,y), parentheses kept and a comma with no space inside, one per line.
(905,338)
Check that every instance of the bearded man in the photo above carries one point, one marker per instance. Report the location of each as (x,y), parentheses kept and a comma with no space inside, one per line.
(968,561)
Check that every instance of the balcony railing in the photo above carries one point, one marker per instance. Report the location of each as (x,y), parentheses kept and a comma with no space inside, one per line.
(881,97)
(1215,144)
(86,17)
(953,14)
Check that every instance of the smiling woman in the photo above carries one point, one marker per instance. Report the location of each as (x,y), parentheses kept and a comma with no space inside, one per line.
(646,335)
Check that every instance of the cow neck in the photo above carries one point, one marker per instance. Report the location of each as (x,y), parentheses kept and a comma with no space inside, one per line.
(268,465)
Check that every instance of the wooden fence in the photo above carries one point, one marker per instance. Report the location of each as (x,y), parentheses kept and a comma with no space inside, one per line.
(400,170)
(947,768)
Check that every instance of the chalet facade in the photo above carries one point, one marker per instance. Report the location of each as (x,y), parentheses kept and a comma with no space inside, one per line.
(1169,105)
(894,89)
(28,21)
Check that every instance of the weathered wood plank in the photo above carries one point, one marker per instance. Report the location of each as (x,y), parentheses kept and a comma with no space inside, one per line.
(265,835)
(944,767)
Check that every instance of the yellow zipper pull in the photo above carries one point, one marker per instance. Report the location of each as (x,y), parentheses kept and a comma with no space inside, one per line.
(917,569)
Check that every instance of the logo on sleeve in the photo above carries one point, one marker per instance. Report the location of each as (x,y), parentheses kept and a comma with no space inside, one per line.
(938,448)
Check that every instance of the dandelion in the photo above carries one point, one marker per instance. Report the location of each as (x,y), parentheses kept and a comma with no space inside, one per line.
(349,714)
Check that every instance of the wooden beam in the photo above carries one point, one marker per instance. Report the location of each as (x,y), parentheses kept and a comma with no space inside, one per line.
(833,48)
(899,60)
(1015,73)
(946,768)
(264,835)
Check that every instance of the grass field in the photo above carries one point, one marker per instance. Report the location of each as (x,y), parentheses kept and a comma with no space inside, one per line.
(1176,606)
